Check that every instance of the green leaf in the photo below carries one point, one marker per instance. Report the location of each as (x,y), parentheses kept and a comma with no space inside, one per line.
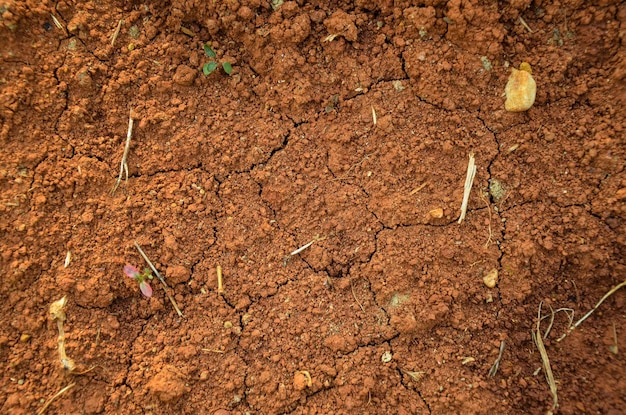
(209,67)
(228,68)
(208,51)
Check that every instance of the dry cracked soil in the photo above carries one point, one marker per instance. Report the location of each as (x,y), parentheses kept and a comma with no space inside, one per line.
(344,128)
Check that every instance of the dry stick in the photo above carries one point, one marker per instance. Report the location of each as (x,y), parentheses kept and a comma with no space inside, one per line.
(220,286)
(607,295)
(117,32)
(418,188)
(123,164)
(56,395)
(537,337)
(496,364)
(152,267)
(613,348)
(469,180)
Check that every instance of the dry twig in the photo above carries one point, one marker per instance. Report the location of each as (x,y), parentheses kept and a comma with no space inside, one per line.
(220,284)
(116,32)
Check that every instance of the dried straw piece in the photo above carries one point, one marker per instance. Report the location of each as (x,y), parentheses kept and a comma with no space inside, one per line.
(537,337)
(56,395)
(469,181)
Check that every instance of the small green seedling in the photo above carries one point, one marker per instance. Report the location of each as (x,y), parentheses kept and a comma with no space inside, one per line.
(211,66)
(133,273)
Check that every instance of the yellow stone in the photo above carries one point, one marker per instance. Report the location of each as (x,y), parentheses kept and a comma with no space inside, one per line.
(491,279)
(520,90)
(436,213)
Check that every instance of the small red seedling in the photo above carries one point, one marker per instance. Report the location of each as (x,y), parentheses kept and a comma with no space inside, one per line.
(141,277)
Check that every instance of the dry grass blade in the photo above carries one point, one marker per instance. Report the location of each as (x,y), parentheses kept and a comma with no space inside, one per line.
(496,364)
(58,24)
(537,338)
(586,316)
(165,287)
(56,395)
(416,376)
(123,164)
(523,22)
(469,181)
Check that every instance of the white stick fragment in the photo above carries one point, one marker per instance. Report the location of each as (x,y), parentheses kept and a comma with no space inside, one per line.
(123,164)
(469,181)
(374,116)
(302,248)
(68,259)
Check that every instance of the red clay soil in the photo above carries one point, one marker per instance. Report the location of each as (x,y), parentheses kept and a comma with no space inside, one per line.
(345,124)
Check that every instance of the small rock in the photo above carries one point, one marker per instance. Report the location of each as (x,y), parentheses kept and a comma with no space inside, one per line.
(24,338)
(184,75)
(491,279)
(386,357)
(520,90)
(436,213)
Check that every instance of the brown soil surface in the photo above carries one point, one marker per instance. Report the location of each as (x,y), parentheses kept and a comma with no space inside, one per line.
(344,123)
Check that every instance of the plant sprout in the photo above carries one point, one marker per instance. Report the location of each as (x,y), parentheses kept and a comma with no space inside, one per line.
(211,66)
(140,277)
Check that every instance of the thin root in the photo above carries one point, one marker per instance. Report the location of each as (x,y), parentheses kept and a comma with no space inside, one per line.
(489,211)
(356,299)
(56,395)
(586,316)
